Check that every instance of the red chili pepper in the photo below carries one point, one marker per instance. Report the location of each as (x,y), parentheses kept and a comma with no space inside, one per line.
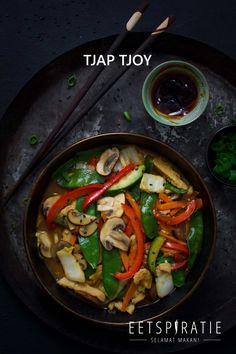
(176,246)
(140,245)
(179,265)
(175,220)
(93,161)
(67,198)
(97,194)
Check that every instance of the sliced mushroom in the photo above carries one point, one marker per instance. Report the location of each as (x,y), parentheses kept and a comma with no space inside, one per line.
(112,206)
(112,234)
(44,244)
(107,161)
(89,229)
(69,207)
(48,203)
(78,218)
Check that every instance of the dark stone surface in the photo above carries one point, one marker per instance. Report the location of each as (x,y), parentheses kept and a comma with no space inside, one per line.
(33,33)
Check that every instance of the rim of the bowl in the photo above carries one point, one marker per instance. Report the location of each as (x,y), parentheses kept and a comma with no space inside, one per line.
(213,136)
(149,318)
(177,63)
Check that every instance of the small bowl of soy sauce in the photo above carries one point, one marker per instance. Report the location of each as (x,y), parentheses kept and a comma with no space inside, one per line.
(175,93)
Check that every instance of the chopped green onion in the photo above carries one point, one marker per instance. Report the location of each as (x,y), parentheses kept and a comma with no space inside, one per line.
(127,116)
(219,109)
(25,200)
(224,149)
(71,80)
(33,139)
(233,120)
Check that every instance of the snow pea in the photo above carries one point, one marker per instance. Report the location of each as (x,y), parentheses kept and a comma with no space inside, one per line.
(178,277)
(148,163)
(195,237)
(89,245)
(174,189)
(135,191)
(111,264)
(70,176)
(149,223)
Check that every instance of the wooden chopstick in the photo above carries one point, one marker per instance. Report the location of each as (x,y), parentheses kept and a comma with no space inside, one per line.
(43,150)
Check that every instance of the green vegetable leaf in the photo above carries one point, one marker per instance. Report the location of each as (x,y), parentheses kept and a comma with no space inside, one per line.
(178,276)
(163,259)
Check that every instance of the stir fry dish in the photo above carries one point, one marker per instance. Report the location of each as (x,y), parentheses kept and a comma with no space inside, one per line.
(120,227)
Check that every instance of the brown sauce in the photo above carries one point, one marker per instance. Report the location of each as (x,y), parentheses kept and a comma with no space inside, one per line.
(174,94)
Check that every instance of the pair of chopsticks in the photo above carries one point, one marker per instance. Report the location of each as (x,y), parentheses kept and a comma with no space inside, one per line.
(57,133)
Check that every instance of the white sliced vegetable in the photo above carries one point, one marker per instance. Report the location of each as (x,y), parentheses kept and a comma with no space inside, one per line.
(164,284)
(72,268)
(152,183)
(131,154)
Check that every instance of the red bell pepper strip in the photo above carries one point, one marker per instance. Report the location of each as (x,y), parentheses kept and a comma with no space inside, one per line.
(140,245)
(176,246)
(175,220)
(67,198)
(97,194)
(179,265)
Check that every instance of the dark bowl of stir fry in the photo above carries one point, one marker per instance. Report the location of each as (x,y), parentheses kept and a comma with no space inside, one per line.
(221,155)
(119,228)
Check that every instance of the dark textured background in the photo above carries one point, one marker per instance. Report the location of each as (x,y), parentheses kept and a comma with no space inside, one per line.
(35,32)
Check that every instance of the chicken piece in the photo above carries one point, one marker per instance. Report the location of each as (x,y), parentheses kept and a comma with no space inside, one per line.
(118,304)
(144,278)
(139,295)
(165,267)
(166,169)
(112,206)
(80,258)
(98,274)
(66,235)
(82,289)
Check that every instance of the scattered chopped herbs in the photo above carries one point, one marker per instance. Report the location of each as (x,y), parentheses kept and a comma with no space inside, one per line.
(33,139)
(233,120)
(219,109)
(127,116)
(71,80)
(25,200)
(224,149)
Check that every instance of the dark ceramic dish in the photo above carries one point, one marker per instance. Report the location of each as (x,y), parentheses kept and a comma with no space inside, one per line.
(210,155)
(84,309)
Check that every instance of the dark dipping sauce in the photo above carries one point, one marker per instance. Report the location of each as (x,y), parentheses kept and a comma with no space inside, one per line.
(174,94)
